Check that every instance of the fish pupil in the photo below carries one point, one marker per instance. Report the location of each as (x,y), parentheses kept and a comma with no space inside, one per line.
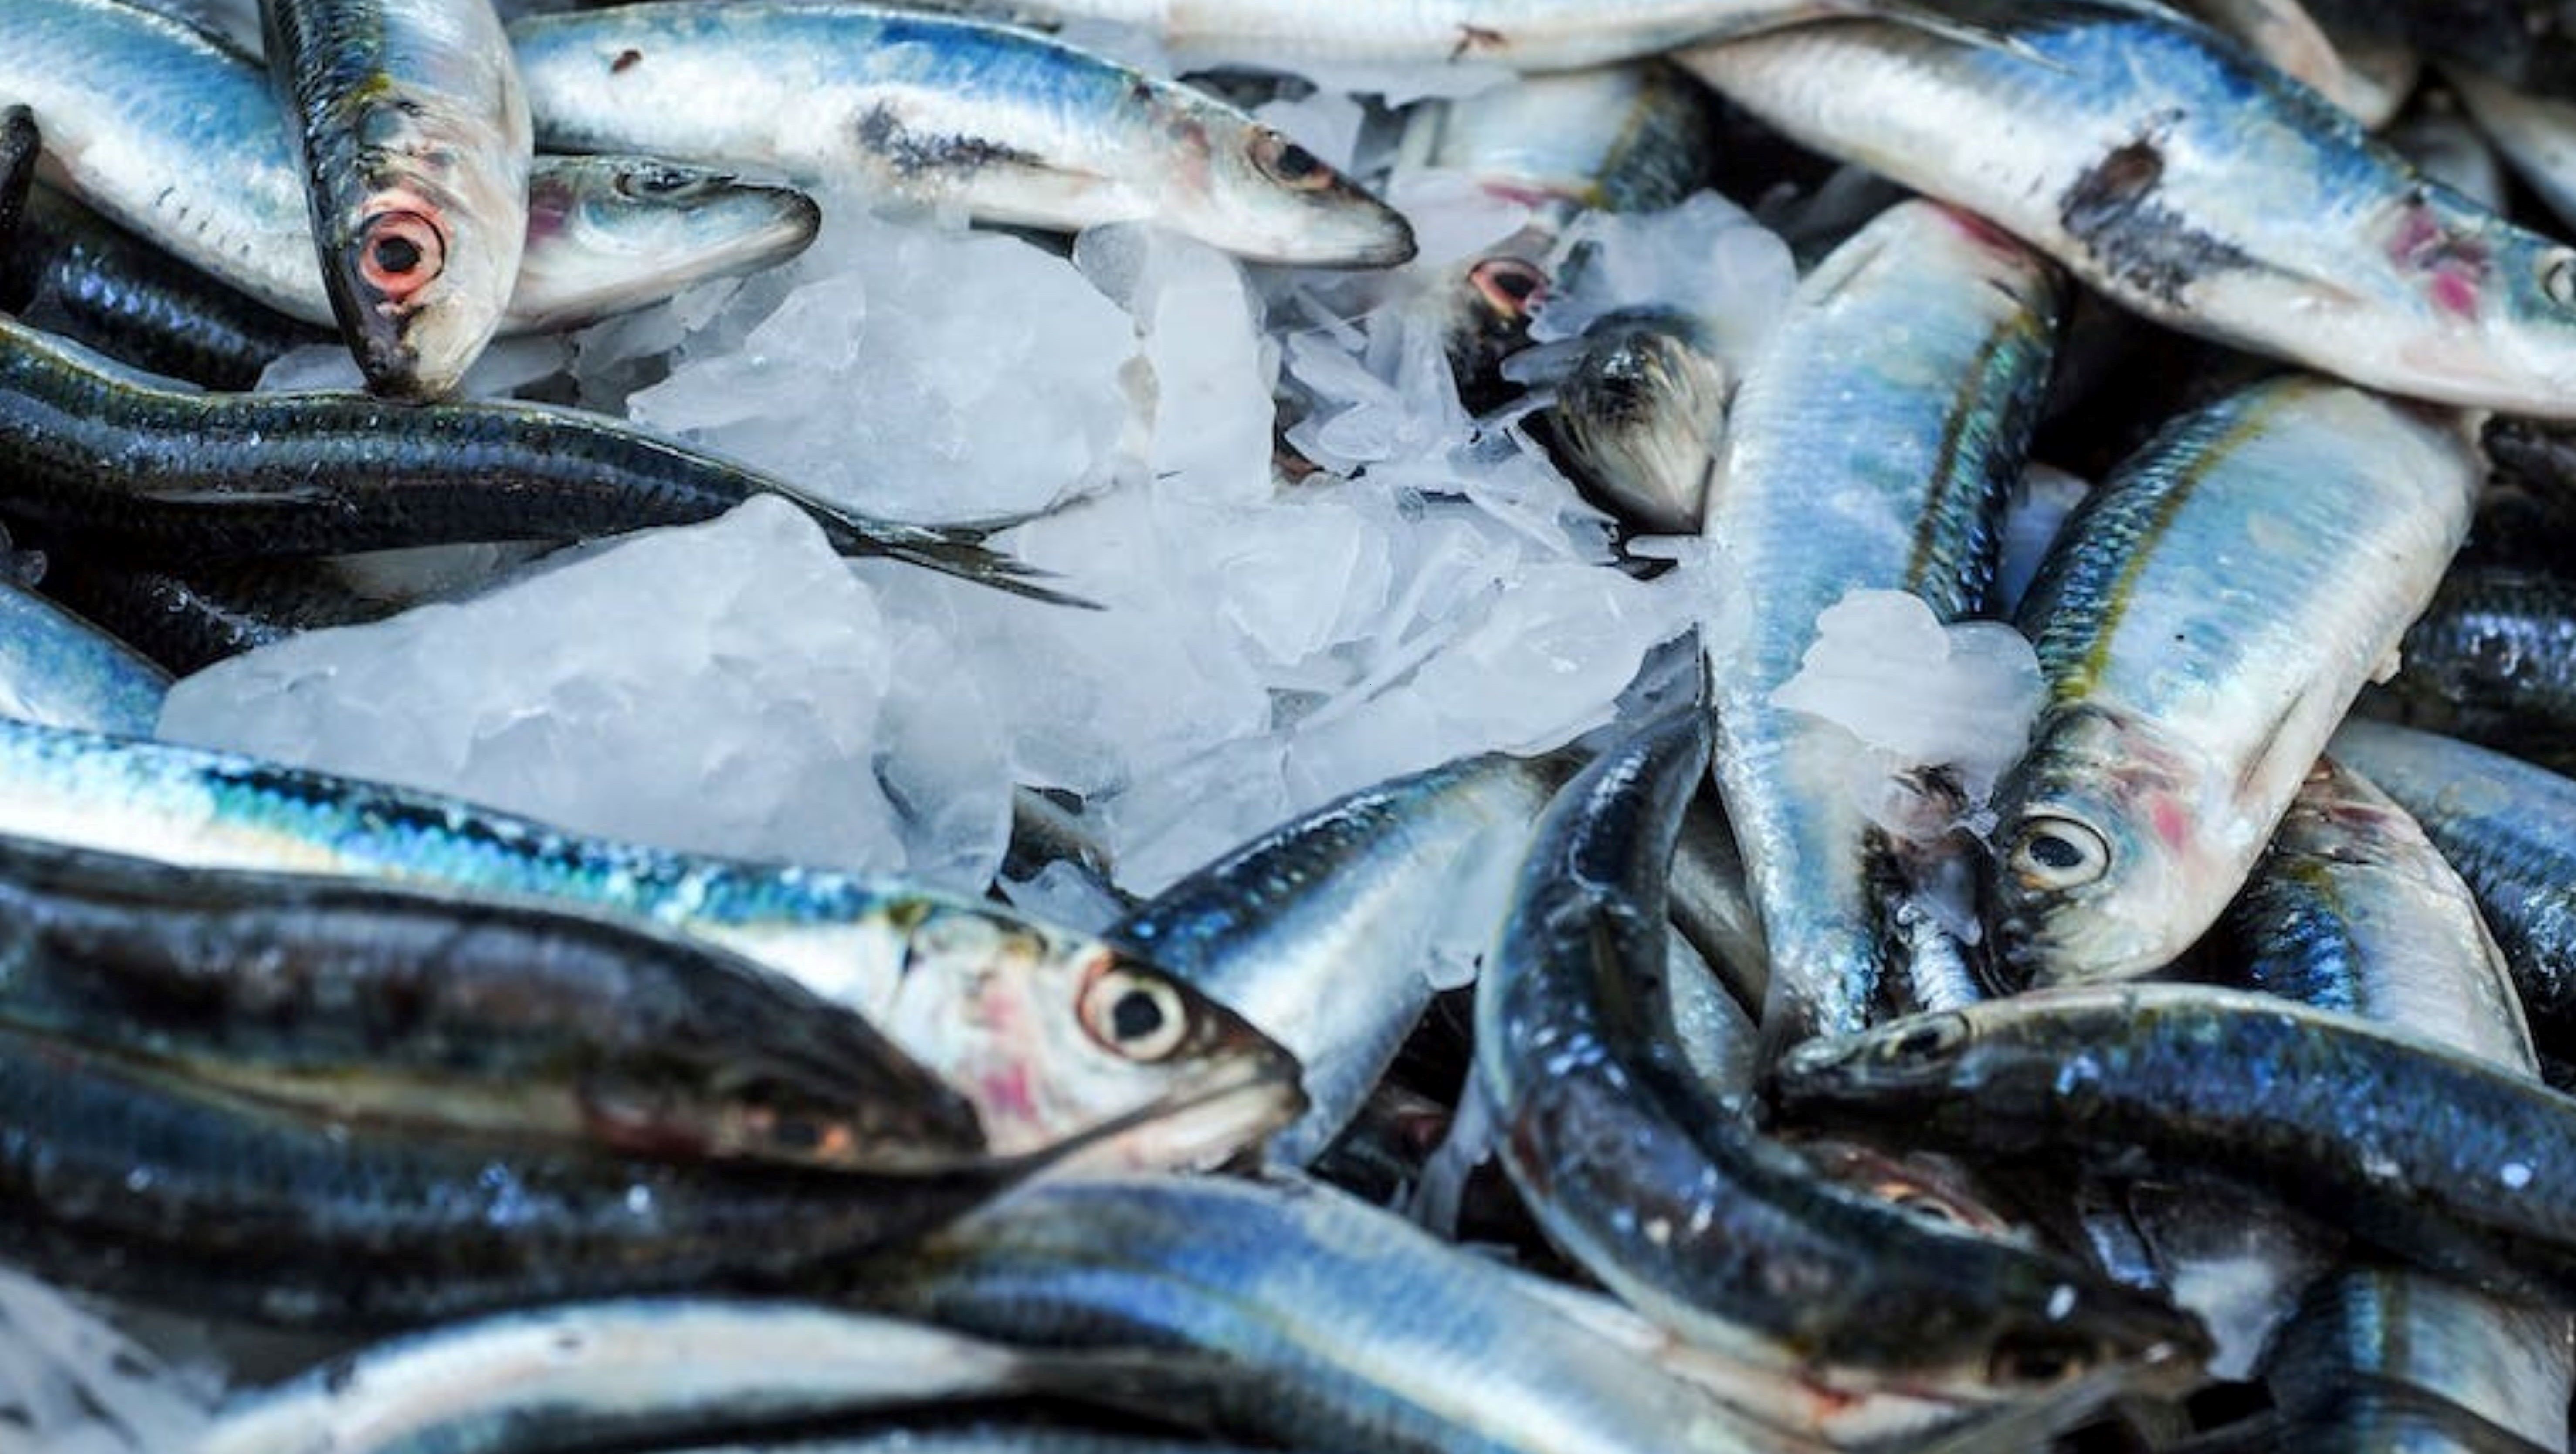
(2049,850)
(1136,1015)
(397,255)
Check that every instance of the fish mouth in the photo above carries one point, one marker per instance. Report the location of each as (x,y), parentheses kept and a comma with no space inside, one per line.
(1195,1127)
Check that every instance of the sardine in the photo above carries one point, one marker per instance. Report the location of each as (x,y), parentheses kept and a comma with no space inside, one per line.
(2493,661)
(391,1009)
(1871,446)
(1044,1032)
(2510,830)
(414,138)
(176,137)
(1528,35)
(1639,418)
(2377,1349)
(91,449)
(2191,184)
(1651,1184)
(188,622)
(2448,149)
(2536,134)
(2439,1158)
(1011,126)
(59,670)
(610,234)
(121,1178)
(1629,138)
(1359,1330)
(2527,43)
(2206,619)
(2282,33)
(1325,931)
(665,1370)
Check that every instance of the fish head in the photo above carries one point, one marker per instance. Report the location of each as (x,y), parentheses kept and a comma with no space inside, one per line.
(1262,196)
(2101,866)
(1055,1037)
(422,249)
(607,234)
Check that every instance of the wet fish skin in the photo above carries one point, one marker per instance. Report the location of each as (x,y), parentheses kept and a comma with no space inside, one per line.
(121,1180)
(610,234)
(72,272)
(60,670)
(175,136)
(2493,661)
(1638,418)
(1048,1033)
(2438,1158)
(1643,1175)
(671,1370)
(404,1009)
(1320,932)
(942,110)
(89,449)
(186,623)
(2193,680)
(2190,184)
(19,146)
(413,133)
(1920,476)
(2503,824)
(1363,1330)
(2376,1344)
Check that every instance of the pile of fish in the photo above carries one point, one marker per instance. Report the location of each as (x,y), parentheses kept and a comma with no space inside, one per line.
(2055,930)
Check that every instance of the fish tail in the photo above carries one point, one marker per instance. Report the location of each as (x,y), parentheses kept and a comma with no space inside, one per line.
(954,550)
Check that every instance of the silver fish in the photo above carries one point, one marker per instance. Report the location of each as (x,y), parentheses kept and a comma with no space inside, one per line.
(1870,447)
(175,136)
(936,109)
(1324,931)
(608,235)
(414,138)
(2536,134)
(2209,615)
(1043,1031)
(59,670)
(2166,168)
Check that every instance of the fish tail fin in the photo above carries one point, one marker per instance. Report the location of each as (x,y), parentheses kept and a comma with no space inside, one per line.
(955,550)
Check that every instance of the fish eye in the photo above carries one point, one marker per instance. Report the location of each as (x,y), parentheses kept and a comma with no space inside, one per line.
(2558,278)
(2059,853)
(1934,1037)
(1507,284)
(403,252)
(2035,1361)
(1285,162)
(1137,1015)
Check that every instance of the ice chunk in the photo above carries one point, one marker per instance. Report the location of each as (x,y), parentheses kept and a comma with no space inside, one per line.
(913,370)
(1454,216)
(1706,259)
(1067,895)
(726,687)
(1208,414)
(1918,693)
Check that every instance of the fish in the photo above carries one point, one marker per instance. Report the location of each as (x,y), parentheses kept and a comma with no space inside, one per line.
(1907,374)
(2285,35)
(941,110)
(1526,35)
(1045,1032)
(2441,1160)
(2190,184)
(123,1178)
(2447,148)
(1357,1328)
(1627,138)
(2525,43)
(61,671)
(2503,824)
(2492,660)
(391,1009)
(413,134)
(2536,134)
(176,137)
(20,145)
(92,450)
(1650,1183)
(1638,417)
(185,623)
(2204,622)
(665,1369)
(1327,931)
(611,234)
